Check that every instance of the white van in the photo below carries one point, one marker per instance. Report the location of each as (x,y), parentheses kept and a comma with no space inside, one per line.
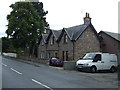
(98,61)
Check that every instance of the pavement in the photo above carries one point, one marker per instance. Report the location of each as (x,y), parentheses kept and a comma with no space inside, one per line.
(27,74)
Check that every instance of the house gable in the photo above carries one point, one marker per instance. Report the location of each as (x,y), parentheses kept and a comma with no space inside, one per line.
(85,28)
(52,44)
(42,46)
(55,33)
(63,33)
(87,42)
(71,31)
(65,47)
(114,36)
(109,42)
(42,39)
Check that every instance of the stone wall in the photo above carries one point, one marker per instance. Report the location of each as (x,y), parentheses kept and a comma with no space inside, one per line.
(52,49)
(88,42)
(66,47)
(71,50)
(109,44)
(53,46)
(42,50)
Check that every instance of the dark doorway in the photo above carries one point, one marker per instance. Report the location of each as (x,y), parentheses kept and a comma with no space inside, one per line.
(66,55)
(63,56)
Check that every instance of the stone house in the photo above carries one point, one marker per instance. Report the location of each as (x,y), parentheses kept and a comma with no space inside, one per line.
(65,46)
(52,43)
(42,47)
(72,43)
(110,42)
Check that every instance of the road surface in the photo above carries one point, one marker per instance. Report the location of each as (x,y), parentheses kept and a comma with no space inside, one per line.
(16,74)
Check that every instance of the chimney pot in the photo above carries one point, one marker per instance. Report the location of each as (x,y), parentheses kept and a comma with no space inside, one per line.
(88,15)
(87,19)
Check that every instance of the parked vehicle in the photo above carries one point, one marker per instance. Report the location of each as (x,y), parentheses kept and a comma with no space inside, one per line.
(97,61)
(55,62)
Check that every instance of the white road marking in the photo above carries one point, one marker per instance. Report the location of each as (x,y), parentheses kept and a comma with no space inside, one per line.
(4,64)
(16,71)
(41,84)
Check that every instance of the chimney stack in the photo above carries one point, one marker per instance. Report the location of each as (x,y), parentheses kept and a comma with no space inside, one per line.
(87,19)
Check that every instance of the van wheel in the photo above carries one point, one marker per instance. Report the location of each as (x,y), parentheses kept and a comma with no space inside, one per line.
(93,69)
(112,69)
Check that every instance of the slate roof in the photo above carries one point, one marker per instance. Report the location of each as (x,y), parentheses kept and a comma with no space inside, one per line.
(111,34)
(44,37)
(56,33)
(75,31)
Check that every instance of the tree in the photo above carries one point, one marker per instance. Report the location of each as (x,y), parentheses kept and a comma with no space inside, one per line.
(39,8)
(25,25)
(7,45)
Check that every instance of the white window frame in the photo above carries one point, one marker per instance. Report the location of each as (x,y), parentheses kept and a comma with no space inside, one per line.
(51,41)
(65,38)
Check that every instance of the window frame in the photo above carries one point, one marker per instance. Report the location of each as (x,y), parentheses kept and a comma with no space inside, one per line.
(42,43)
(52,40)
(65,38)
(96,56)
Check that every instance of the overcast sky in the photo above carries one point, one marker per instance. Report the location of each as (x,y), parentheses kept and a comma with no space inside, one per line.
(67,13)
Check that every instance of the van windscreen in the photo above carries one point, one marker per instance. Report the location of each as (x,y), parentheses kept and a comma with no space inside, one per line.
(89,56)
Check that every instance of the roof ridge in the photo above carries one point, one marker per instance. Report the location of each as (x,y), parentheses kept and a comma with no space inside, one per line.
(111,32)
(75,26)
(56,33)
(81,29)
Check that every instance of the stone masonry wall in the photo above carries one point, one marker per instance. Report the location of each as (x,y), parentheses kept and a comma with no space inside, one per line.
(109,44)
(41,49)
(66,47)
(52,49)
(53,46)
(88,42)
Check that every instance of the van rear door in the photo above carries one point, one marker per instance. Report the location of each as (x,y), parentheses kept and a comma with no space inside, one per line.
(107,64)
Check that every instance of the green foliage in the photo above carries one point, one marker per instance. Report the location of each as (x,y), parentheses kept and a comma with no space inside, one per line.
(26,23)
(7,45)
(39,7)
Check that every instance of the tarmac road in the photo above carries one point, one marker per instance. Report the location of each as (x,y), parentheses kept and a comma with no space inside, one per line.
(17,74)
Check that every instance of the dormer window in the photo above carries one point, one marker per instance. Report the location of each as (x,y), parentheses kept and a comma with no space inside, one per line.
(52,40)
(42,42)
(65,38)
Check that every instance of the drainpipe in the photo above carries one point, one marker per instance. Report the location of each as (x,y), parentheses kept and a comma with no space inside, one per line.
(73,49)
(46,54)
(58,50)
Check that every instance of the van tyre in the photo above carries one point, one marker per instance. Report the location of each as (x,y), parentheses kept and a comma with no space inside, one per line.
(93,69)
(112,69)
